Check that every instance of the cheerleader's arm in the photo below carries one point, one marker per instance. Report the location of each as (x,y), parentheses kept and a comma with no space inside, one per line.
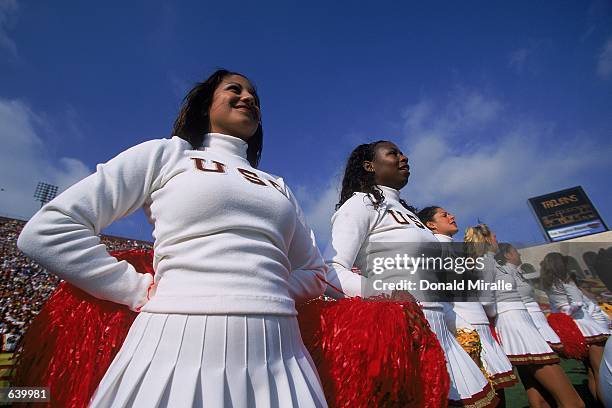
(558,299)
(351,225)
(574,296)
(63,235)
(308,271)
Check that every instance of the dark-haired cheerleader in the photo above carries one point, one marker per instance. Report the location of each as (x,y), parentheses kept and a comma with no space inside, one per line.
(468,319)
(565,297)
(217,323)
(510,258)
(370,218)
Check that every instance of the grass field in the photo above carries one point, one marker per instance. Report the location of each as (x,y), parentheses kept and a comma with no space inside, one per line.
(6,364)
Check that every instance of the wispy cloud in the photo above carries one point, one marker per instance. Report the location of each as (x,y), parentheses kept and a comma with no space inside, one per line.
(596,17)
(319,206)
(471,154)
(481,161)
(604,60)
(529,59)
(73,123)
(25,159)
(8,12)
(518,58)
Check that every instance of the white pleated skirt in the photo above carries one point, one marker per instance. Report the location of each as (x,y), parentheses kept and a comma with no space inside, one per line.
(521,340)
(172,360)
(601,318)
(592,330)
(494,360)
(468,385)
(541,323)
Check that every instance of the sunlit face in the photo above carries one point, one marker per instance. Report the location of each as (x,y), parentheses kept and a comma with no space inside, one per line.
(443,223)
(513,257)
(234,109)
(389,165)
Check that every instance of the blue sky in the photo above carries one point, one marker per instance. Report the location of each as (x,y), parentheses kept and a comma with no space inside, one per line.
(493,103)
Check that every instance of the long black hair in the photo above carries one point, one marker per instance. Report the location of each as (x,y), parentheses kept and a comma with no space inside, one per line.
(193,120)
(427,214)
(357,179)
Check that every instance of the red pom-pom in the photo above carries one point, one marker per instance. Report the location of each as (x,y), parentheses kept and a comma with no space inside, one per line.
(433,372)
(368,352)
(375,352)
(141,259)
(73,340)
(574,343)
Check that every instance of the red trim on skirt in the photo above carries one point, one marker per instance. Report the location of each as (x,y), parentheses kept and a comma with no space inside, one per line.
(503,380)
(529,359)
(482,399)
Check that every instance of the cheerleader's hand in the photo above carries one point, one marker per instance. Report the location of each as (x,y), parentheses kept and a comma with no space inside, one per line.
(571,309)
(591,307)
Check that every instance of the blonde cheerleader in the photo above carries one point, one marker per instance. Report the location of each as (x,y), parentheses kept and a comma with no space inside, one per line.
(537,363)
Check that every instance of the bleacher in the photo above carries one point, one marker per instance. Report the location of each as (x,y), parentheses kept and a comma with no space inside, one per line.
(25,286)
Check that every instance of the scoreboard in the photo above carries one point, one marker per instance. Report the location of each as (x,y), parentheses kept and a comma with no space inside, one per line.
(566,214)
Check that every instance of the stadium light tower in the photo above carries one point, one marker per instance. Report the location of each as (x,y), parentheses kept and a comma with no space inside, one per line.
(45,193)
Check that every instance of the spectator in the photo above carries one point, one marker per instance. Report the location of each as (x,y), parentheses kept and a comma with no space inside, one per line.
(9,341)
(25,285)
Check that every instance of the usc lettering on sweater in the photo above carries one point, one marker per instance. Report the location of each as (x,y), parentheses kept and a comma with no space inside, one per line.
(229,238)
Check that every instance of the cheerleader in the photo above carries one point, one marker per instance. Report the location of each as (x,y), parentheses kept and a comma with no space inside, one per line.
(537,363)
(468,319)
(565,297)
(370,218)
(593,309)
(232,255)
(510,258)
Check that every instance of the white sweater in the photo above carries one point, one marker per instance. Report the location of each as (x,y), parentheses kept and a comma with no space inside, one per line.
(507,299)
(357,228)
(463,314)
(443,238)
(524,288)
(565,298)
(228,238)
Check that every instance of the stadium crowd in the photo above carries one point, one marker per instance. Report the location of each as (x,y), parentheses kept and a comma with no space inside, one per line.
(25,285)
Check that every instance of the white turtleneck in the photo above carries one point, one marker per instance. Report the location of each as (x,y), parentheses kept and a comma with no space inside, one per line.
(443,238)
(359,230)
(523,287)
(507,299)
(228,238)
(463,314)
(565,297)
